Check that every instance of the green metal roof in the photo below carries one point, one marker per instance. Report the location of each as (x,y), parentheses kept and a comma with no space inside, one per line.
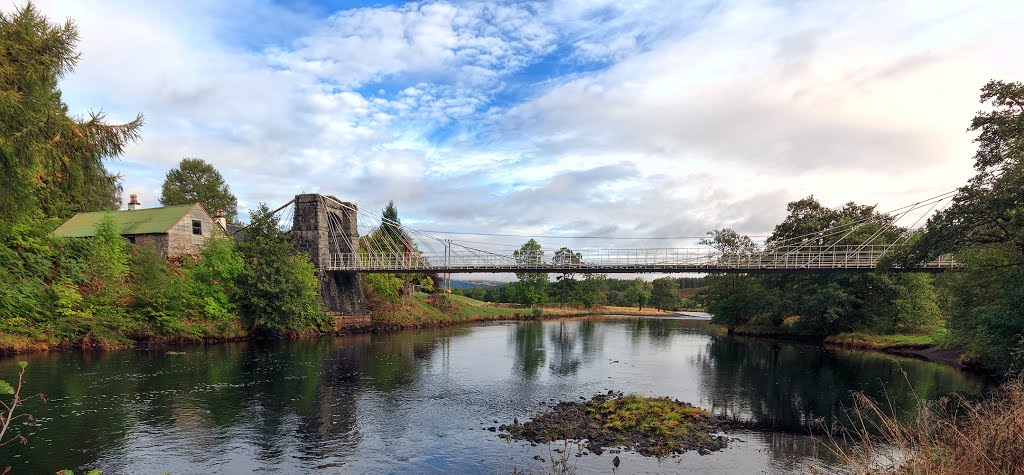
(139,221)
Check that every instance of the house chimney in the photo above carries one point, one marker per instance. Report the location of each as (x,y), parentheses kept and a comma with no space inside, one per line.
(134,202)
(221,220)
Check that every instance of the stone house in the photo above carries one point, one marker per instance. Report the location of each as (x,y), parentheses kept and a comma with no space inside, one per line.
(172,230)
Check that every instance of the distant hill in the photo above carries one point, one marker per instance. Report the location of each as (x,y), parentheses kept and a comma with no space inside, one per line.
(469,284)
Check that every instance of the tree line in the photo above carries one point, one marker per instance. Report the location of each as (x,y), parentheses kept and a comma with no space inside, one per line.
(589,290)
(820,304)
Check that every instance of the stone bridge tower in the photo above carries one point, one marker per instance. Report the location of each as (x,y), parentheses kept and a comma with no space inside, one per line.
(324,225)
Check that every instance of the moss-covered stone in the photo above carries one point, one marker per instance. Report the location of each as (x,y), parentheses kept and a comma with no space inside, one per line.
(651,426)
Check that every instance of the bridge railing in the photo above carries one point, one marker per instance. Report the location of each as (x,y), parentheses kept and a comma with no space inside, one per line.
(700,259)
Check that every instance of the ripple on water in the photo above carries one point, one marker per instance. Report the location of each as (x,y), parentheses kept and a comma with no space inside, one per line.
(421,401)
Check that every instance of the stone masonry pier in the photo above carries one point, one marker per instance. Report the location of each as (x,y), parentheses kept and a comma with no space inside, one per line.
(324,225)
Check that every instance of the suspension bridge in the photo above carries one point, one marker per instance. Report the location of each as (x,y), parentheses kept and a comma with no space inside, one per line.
(340,237)
(343,242)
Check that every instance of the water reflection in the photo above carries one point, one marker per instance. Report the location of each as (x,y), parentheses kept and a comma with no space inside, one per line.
(418,400)
(787,386)
(527,339)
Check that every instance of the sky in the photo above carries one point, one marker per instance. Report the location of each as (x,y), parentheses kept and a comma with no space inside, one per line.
(569,118)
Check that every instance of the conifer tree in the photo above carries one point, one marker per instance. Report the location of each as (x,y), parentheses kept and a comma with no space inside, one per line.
(196,181)
(49,160)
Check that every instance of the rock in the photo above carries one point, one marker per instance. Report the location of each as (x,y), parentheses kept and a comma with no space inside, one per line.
(615,461)
(492,429)
(538,457)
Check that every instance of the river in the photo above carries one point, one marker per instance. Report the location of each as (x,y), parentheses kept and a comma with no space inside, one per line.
(421,401)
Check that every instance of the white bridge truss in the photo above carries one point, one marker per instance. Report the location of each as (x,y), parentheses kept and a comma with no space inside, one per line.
(699,259)
(421,251)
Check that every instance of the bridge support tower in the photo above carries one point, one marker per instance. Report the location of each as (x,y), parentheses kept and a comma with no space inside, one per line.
(322,226)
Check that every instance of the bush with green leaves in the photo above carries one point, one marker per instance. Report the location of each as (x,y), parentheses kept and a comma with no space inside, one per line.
(210,283)
(386,286)
(277,288)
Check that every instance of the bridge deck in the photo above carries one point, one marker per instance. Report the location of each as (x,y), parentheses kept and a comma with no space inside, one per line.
(695,260)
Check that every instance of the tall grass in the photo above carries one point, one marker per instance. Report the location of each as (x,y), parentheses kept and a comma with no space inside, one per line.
(949,436)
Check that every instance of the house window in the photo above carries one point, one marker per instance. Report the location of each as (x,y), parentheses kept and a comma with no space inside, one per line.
(197,227)
(131,239)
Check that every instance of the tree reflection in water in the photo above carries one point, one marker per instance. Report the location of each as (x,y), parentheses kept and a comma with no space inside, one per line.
(786,386)
(527,340)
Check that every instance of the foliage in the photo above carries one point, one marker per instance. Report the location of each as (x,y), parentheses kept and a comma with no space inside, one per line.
(988,209)
(196,181)
(277,288)
(107,257)
(732,299)
(638,293)
(665,294)
(985,302)
(884,342)
(594,289)
(826,304)
(50,161)
(209,282)
(385,286)
(984,227)
(565,285)
(728,241)
(532,286)
(391,239)
(151,279)
(591,291)
(391,227)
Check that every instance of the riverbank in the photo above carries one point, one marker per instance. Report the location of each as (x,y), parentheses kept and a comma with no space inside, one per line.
(416,311)
(423,311)
(928,345)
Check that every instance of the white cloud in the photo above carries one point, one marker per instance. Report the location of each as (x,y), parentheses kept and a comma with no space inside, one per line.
(646,118)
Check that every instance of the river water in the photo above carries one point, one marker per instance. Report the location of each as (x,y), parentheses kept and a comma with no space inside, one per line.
(421,401)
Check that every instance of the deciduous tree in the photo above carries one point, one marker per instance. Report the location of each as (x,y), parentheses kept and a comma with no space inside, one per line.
(532,286)
(665,294)
(638,293)
(277,288)
(565,286)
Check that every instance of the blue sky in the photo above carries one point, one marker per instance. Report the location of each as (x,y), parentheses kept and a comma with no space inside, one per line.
(557,118)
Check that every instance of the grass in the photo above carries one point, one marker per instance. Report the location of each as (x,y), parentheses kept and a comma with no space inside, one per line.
(947,437)
(661,416)
(868,341)
(656,426)
(420,310)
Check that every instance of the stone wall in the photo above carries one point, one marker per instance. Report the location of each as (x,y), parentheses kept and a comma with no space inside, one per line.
(155,241)
(323,225)
(181,241)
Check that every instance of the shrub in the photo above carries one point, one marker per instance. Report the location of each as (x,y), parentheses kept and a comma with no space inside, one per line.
(385,286)
(277,288)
